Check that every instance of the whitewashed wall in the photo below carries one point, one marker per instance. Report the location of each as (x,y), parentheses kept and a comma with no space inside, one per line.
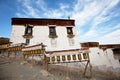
(41,34)
(17,34)
(105,58)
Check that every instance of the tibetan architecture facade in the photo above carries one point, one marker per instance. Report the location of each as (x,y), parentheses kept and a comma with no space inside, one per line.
(56,34)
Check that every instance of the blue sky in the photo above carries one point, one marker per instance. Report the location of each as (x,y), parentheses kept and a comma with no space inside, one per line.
(96,20)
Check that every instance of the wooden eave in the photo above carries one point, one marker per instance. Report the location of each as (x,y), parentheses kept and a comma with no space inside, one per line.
(90,44)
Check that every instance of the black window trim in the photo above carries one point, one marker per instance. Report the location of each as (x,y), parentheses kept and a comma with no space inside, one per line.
(27,28)
(27,41)
(71,30)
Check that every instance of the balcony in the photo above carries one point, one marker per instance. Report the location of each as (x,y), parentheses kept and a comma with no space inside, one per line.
(70,35)
(53,36)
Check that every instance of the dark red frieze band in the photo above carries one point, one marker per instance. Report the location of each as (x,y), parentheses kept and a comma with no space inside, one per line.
(43,22)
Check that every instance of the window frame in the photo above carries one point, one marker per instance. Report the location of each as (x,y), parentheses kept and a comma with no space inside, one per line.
(69,30)
(28,30)
(52,32)
(27,41)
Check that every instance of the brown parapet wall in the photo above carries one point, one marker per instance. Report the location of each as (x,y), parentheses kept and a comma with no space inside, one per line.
(115,47)
(96,44)
(110,45)
(43,22)
(90,44)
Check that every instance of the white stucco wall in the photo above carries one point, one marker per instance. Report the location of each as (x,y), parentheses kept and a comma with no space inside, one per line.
(17,34)
(98,57)
(41,35)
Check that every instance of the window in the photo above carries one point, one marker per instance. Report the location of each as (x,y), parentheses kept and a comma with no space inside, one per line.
(52,32)
(28,30)
(69,30)
(27,41)
(28,33)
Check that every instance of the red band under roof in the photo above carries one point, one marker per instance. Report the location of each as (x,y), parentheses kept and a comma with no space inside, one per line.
(43,22)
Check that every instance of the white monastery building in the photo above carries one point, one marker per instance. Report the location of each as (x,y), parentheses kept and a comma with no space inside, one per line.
(56,34)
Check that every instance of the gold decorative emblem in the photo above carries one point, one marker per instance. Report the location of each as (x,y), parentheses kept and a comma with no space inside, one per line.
(63,58)
(68,57)
(85,56)
(58,58)
(79,56)
(74,57)
(53,58)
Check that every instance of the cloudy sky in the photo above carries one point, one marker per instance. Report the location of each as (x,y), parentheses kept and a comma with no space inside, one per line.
(96,20)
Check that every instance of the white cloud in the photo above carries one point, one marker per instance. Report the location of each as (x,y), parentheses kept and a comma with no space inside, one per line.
(53,14)
(105,35)
(108,29)
(20,15)
(113,37)
(106,7)
(41,4)
(63,6)
(85,14)
(27,9)
(96,11)
(91,33)
(60,12)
